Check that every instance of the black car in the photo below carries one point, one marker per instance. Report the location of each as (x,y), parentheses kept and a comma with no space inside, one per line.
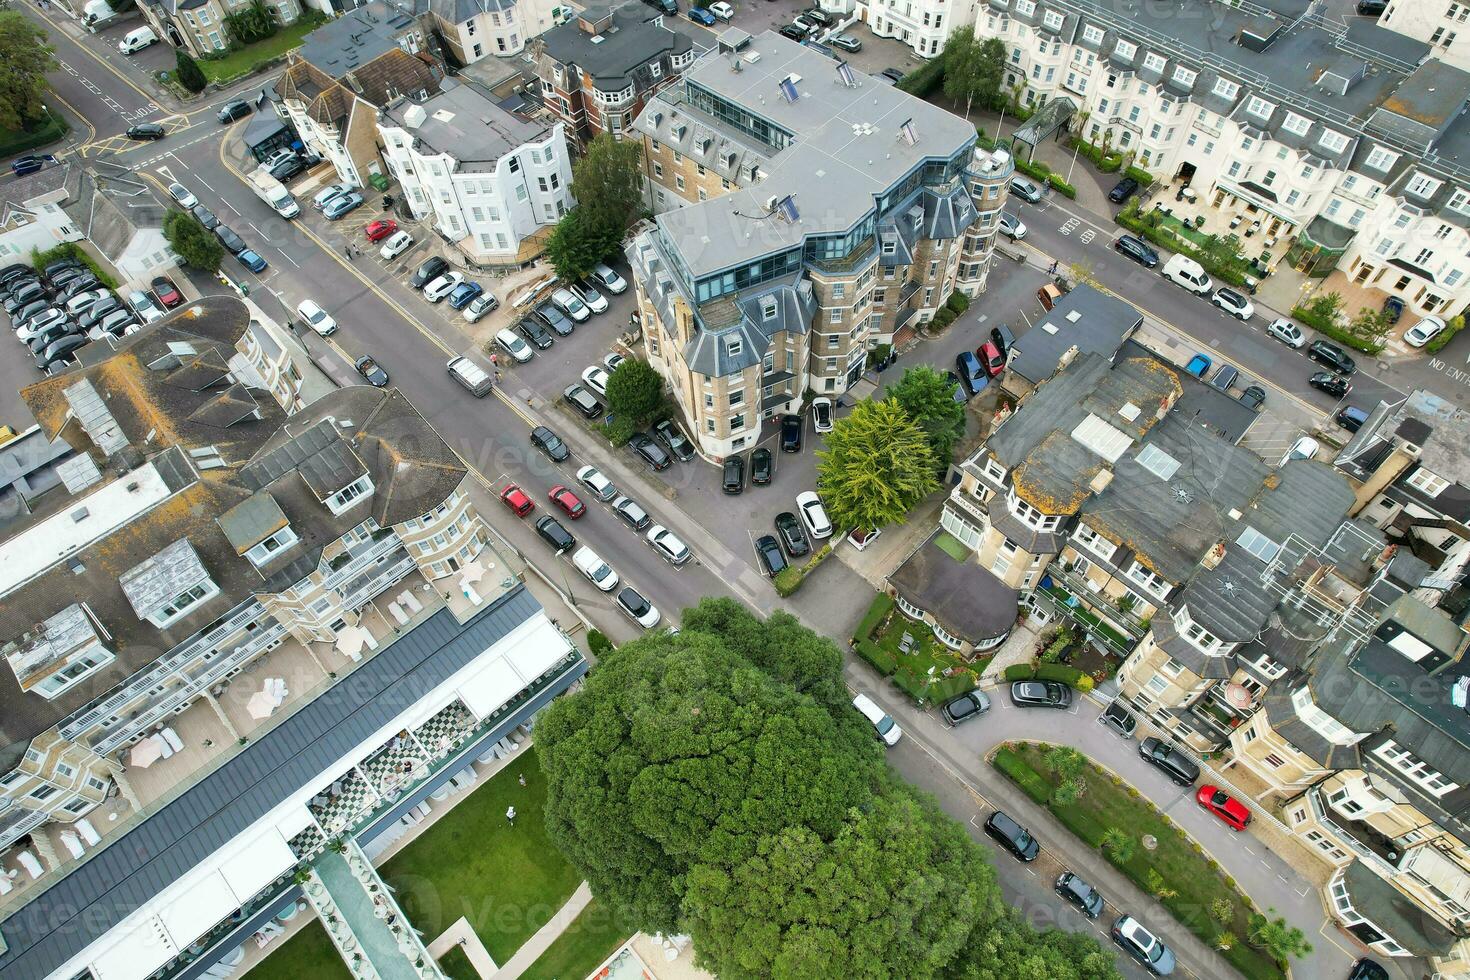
(1253,397)
(732,477)
(80,285)
(1331,355)
(1393,308)
(536,333)
(206,217)
(1002,338)
(1123,190)
(14,271)
(431,269)
(287,168)
(230,111)
(1012,836)
(678,444)
(793,538)
(971,372)
(371,372)
(546,441)
(760,467)
(1040,694)
(98,310)
(961,394)
(791,433)
(1135,248)
(1119,719)
(1372,8)
(669,7)
(817,16)
(1087,899)
(1334,384)
(60,352)
(965,707)
(555,319)
(792,33)
(555,535)
(232,242)
(769,553)
(146,131)
(60,265)
(649,451)
(583,401)
(1180,768)
(894,75)
(28,293)
(1366,969)
(67,276)
(53,333)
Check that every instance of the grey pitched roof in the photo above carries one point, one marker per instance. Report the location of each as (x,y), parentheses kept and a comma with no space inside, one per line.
(100,893)
(319,454)
(355,38)
(614,57)
(947,215)
(252,520)
(1085,318)
(468,123)
(1051,406)
(966,599)
(150,584)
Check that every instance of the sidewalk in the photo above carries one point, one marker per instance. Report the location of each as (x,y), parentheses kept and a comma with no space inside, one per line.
(532,948)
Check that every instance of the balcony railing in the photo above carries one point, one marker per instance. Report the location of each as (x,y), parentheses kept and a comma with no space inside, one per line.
(969,502)
(1377,853)
(1126,620)
(1092,624)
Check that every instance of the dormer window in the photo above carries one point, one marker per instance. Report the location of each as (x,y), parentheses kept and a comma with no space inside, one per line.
(1199,637)
(1147,579)
(176,607)
(1094,542)
(1030,516)
(1225,88)
(349,495)
(1259,107)
(166,587)
(272,546)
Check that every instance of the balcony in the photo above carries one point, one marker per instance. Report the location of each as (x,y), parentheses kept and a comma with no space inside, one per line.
(909,288)
(1377,850)
(970,503)
(1127,620)
(1092,625)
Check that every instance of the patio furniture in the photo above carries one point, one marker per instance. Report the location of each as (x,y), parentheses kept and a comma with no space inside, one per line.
(148,751)
(5,886)
(423,809)
(408,599)
(906,643)
(72,843)
(30,863)
(172,738)
(1235,222)
(262,704)
(396,611)
(88,832)
(473,596)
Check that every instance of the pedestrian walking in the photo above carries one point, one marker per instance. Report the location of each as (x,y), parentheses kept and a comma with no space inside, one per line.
(510,814)
(1053,270)
(347,251)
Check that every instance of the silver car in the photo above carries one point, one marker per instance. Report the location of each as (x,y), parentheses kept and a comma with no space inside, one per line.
(571,305)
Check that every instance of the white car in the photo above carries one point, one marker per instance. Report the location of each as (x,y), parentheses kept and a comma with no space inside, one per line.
(885,726)
(638,609)
(861,537)
(1234,303)
(316,318)
(598,572)
(571,305)
(822,414)
(612,361)
(145,306)
(1287,332)
(1304,448)
(1424,331)
(605,275)
(182,195)
(514,345)
(668,545)
(1011,226)
(443,286)
(587,293)
(479,306)
(596,379)
(721,9)
(324,196)
(82,302)
(397,243)
(813,515)
(593,479)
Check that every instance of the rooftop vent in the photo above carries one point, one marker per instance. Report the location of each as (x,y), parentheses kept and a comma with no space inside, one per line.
(1129,411)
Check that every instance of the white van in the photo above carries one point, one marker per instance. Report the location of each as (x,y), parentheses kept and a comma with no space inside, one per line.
(598,572)
(885,727)
(471,376)
(136,40)
(1185,271)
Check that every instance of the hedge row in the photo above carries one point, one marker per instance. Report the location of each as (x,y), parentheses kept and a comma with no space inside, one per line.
(1022,775)
(1110,163)
(1452,326)
(13,141)
(1070,676)
(883,661)
(1130,218)
(958,302)
(1330,328)
(883,604)
(922,689)
(789,579)
(71,250)
(1037,170)
(1143,177)
(923,80)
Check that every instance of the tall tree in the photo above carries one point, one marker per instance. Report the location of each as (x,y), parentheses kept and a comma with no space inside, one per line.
(877,466)
(25,58)
(186,70)
(608,185)
(635,391)
(961,58)
(990,73)
(927,396)
(577,243)
(1011,950)
(192,242)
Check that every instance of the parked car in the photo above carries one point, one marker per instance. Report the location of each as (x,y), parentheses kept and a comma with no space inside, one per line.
(1366,969)
(595,377)
(611,360)
(1123,190)
(536,333)
(1351,418)
(1119,719)
(118,323)
(513,345)
(1393,308)
(649,451)
(205,217)
(549,444)
(792,537)
(732,474)
(673,437)
(63,351)
(430,270)
(80,284)
(376,231)
(252,260)
(761,467)
(342,205)
(1149,950)
(552,532)
(582,400)
(813,515)
(1253,397)
(1223,805)
(30,163)
(397,243)
(441,287)
(861,537)
(701,16)
(1304,448)
(1332,356)
(516,499)
(1026,189)
(637,608)
(75,306)
(1041,694)
(846,42)
(668,545)
(318,319)
(1135,248)
(232,242)
(144,305)
(483,303)
(594,480)
(806,27)
(964,707)
(1234,303)
(1424,331)
(571,305)
(569,502)
(168,294)
(182,196)
(1198,365)
(1012,836)
(631,513)
(146,131)
(604,275)
(470,376)
(328,194)
(971,372)
(822,414)
(791,426)
(722,10)
(1180,768)
(553,317)
(768,550)
(818,16)
(1334,384)
(1089,900)
(1224,377)
(292,166)
(588,294)
(461,295)
(1011,226)
(894,75)
(232,110)
(991,359)
(1287,332)
(885,727)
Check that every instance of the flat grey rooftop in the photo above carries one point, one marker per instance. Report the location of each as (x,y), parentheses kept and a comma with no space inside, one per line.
(466,122)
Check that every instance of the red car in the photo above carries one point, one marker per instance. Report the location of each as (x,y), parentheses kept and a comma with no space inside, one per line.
(992,358)
(167,293)
(515,498)
(1224,806)
(567,501)
(378,230)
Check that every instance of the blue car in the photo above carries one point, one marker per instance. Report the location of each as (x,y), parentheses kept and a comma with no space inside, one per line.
(338,206)
(972,374)
(1198,365)
(701,16)
(30,163)
(251,260)
(460,296)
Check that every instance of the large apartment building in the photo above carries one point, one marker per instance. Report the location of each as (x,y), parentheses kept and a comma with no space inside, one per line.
(242,634)
(1326,142)
(808,214)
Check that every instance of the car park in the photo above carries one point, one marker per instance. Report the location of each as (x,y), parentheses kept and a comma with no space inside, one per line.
(611,360)
(430,270)
(1012,836)
(443,286)
(1011,226)
(232,110)
(461,296)
(569,502)
(291,167)
(583,401)
(605,275)
(1332,356)
(553,317)
(252,260)
(551,531)
(77,305)
(1253,397)
(846,42)
(1088,900)
(182,196)
(631,513)
(885,727)
(232,242)
(971,372)
(964,707)
(1351,418)
(371,371)
(1224,377)
(1119,719)
(1026,189)
(571,305)
(318,319)
(329,193)
(376,231)
(549,444)
(1180,768)
(1041,694)
(761,467)
(813,515)
(790,535)
(514,345)
(476,308)
(61,352)
(991,359)
(791,426)
(595,378)
(637,608)
(594,569)
(1287,332)
(340,206)
(768,550)
(146,131)
(142,303)
(1123,190)
(1424,331)
(668,545)
(673,437)
(593,479)
(701,16)
(537,334)
(649,451)
(1304,448)
(1135,248)
(1149,950)
(1231,811)
(397,243)
(470,376)
(587,293)
(80,284)
(822,414)
(1334,384)
(205,217)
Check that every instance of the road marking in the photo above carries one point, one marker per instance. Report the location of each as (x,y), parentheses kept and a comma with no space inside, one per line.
(148,99)
(1086,236)
(1069,226)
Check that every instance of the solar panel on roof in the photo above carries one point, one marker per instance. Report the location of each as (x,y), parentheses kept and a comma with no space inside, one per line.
(788,90)
(844,72)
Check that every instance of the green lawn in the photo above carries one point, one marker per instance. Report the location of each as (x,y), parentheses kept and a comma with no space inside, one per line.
(952,546)
(912,672)
(507,881)
(309,953)
(457,966)
(1187,232)
(1196,880)
(237,63)
(590,939)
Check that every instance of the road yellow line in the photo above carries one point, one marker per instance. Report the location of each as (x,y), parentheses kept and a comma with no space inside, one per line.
(96,57)
(91,130)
